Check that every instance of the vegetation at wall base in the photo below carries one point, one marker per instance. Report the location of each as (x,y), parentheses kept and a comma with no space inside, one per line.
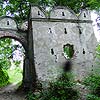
(92,82)
(61,89)
(92,97)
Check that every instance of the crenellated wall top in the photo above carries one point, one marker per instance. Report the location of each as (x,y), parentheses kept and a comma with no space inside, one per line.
(59,12)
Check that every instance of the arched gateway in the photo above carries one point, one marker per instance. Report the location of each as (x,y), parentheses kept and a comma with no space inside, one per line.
(10,29)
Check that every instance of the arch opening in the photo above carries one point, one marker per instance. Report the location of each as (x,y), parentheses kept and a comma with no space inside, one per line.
(12,53)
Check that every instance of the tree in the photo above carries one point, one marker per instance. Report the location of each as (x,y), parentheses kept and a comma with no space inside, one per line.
(76,5)
(5,53)
(20,8)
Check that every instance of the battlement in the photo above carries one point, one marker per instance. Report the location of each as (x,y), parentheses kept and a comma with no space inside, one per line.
(59,13)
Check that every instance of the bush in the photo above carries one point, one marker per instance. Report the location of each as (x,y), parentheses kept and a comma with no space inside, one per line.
(92,97)
(3,78)
(32,96)
(61,89)
(15,75)
(93,84)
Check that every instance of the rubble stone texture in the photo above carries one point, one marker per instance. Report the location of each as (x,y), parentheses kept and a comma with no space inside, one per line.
(50,34)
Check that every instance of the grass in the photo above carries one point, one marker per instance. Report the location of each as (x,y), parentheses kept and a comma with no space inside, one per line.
(15,75)
(10,76)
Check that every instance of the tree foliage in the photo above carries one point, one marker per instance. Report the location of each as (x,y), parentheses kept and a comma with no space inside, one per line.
(4,78)
(20,8)
(5,53)
(76,5)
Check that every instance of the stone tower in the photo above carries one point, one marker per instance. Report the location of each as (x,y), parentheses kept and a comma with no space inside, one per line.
(52,32)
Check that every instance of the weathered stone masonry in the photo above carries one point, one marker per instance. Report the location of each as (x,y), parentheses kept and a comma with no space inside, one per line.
(51,33)
(10,29)
(44,38)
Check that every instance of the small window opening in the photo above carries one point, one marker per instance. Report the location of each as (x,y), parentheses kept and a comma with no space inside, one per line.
(68,51)
(65,30)
(50,30)
(56,58)
(38,13)
(83,51)
(7,22)
(84,15)
(52,51)
(80,32)
(63,14)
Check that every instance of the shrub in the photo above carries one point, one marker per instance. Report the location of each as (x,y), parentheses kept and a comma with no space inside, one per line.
(61,89)
(32,96)
(92,97)
(93,84)
(3,78)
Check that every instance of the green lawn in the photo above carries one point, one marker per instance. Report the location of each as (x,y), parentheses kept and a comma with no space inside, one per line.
(10,76)
(15,75)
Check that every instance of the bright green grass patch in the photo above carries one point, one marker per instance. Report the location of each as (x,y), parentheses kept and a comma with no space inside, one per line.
(15,75)
(10,76)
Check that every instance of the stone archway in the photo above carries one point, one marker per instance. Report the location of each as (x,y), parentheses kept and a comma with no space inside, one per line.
(23,41)
(10,34)
(10,28)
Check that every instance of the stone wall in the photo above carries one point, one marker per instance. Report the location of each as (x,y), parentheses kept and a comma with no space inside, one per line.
(52,31)
(9,28)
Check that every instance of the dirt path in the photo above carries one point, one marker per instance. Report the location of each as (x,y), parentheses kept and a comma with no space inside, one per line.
(9,93)
(11,96)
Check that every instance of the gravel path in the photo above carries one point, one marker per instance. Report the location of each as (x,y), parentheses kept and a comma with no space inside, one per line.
(12,96)
(9,93)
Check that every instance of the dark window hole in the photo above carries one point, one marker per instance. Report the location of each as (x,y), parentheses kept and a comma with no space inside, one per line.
(38,13)
(52,51)
(84,15)
(50,30)
(63,14)
(7,22)
(65,30)
(83,51)
(80,32)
